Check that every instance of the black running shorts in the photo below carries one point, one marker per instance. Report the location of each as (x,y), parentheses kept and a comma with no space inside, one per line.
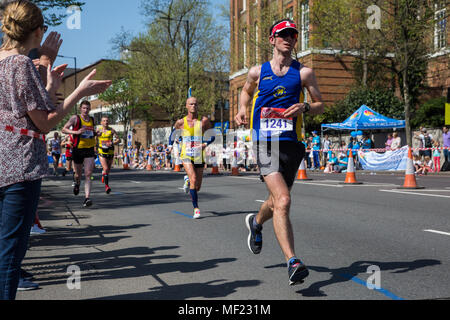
(78,155)
(285,160)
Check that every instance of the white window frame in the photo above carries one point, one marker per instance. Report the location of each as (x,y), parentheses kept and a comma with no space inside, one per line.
(440,33)
(305,26)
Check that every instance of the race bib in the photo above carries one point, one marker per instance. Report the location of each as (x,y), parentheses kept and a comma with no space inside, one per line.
(193,146)
(106,144)
(272,120)
(88,134)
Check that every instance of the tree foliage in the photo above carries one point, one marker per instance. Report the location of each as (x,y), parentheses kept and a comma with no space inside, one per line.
(52,9)
(398,47)
(431,114)
(158,58)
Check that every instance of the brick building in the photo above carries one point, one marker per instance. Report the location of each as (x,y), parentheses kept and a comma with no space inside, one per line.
(334,72)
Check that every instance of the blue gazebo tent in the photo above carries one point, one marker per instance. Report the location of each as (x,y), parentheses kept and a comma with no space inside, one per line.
(365,119)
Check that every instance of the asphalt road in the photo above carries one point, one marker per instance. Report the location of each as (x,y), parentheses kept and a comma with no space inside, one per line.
(140,241)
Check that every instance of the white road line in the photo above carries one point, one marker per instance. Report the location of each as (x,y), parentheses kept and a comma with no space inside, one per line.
(436,231)
(244,178)
(320,184)
(260,201)
(138,182)
(416,193)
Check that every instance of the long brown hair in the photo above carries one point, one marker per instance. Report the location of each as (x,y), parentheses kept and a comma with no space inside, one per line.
(19,19)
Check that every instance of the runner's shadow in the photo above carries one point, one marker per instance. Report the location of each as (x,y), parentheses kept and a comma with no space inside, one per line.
(208,290)
(229,213)
(360,267)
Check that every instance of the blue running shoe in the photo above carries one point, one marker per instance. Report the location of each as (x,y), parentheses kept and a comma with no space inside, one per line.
(297,272)
(254,240)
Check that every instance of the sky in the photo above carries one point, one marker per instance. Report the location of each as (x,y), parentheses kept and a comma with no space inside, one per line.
(100,21)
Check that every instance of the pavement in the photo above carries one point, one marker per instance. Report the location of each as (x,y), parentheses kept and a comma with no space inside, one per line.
(141,243)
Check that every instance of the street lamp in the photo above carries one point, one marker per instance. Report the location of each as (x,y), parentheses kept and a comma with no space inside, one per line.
(187,47)
(75,60)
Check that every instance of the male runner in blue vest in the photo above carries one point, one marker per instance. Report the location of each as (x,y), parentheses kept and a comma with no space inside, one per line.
(276,123)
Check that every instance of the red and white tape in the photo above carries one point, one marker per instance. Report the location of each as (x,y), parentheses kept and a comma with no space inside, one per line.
(23,132)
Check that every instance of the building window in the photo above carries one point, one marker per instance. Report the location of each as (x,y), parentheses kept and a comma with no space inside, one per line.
(305,25)
(440,29)
(289,13)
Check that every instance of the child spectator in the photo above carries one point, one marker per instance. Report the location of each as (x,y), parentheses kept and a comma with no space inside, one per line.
(417,162)
(427,166)
(436,157)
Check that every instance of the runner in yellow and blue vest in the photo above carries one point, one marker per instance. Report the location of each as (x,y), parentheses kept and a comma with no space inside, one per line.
(276,119)
(82,129)
(106,139)
(193,147)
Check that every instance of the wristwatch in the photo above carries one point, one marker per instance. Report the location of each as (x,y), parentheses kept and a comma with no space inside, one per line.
(307,107)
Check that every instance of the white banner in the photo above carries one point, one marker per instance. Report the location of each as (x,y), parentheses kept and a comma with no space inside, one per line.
(387,161)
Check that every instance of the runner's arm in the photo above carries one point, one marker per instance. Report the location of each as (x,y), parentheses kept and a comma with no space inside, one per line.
(71,123)
(309,82)
(247,95)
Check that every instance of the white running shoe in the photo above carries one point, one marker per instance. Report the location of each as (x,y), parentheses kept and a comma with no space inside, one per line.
(196,214)
(36,230)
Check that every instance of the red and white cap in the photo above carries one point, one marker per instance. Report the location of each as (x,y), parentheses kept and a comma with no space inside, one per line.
(284,25)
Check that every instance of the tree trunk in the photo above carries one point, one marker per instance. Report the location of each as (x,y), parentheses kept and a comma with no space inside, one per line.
(364,76)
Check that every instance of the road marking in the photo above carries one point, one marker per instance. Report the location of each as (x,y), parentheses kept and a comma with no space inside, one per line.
(387,293)
(320,184)
(439,232)
(244,178)
(260,201)
(182,214)
(416,193)
(138,182)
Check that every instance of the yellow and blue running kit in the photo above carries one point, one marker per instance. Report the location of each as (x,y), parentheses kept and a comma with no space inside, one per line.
(105,144)
(192,150)
(274,95)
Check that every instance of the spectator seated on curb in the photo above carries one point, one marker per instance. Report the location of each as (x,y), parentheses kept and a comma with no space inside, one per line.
(426,167)
(332,164)
(342,163)
(417,162)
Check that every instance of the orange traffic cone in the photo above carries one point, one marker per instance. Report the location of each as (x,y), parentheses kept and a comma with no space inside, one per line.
(350,178)
(301,175)
(234,166)
(410,178)
(125,162)
(215,169)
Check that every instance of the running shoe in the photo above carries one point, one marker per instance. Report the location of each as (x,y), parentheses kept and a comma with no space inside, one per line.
(87,202)
(254,240)
(25,285)
(297,272)
(36,230)
(107,189)
(196,214)
(76,189)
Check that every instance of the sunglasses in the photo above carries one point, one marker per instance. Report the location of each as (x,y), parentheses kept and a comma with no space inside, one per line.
(287,33)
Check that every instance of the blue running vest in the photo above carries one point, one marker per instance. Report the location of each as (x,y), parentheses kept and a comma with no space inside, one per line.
(274,95)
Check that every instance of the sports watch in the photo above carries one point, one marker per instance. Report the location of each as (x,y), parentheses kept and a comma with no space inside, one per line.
(307,107)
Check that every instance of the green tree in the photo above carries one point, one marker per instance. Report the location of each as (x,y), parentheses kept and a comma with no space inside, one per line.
(157,58)
(430,114)
(51,9)
(397,46)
